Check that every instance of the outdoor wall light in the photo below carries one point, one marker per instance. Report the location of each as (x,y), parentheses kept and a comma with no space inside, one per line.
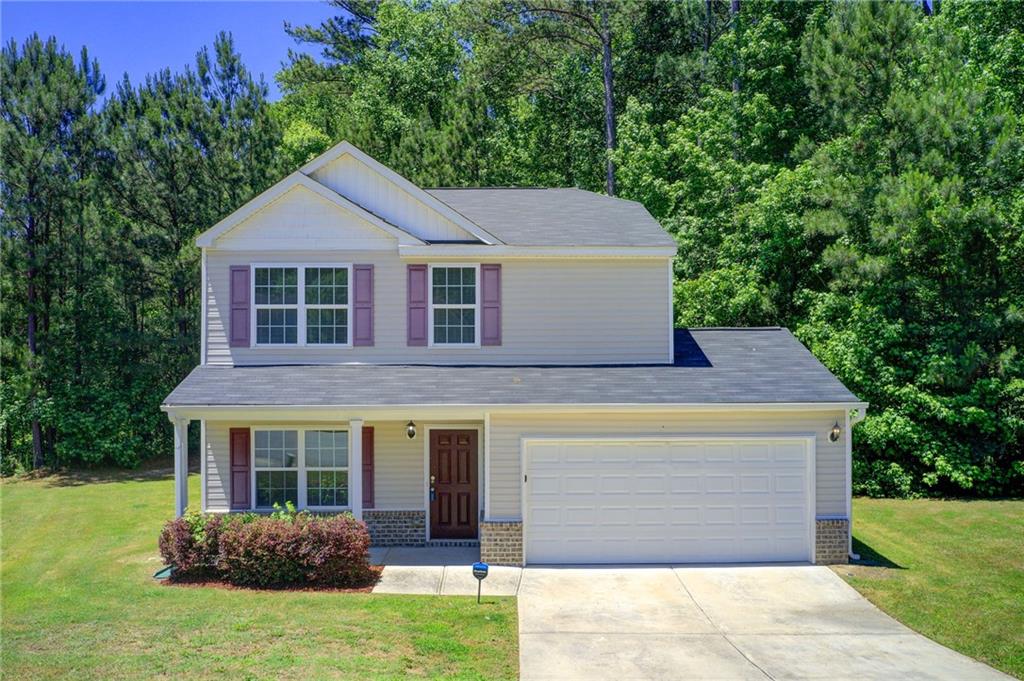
(410,430)
(834,434)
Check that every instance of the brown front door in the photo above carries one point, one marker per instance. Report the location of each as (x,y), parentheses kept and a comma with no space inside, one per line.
(453,484)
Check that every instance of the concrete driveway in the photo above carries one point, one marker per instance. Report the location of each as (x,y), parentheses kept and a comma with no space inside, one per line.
(776,622)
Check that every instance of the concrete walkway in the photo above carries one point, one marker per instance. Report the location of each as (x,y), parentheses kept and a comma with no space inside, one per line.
(776,622)
(441,571)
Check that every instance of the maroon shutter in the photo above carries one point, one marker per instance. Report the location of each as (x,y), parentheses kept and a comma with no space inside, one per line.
(238,324)
(490,304)
(367,466)
(362,305)
(416,324)
(239,444)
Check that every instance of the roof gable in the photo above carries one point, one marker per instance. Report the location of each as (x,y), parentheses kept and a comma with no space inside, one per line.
(311,218)
(352,173)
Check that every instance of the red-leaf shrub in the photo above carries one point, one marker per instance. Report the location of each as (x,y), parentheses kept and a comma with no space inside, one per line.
(192,543)
(270,551)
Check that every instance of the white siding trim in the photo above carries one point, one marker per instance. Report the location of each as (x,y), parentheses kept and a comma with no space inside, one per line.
(671,313)
(509,251)
(355,467)
(205,291)
(202,465)
(486,510)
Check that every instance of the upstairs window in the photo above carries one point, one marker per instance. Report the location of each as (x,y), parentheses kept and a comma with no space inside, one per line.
(301,305)
(453,303)
(276,297)
(326,305)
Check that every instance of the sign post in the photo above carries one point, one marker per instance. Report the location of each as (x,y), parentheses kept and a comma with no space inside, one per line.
(480,572)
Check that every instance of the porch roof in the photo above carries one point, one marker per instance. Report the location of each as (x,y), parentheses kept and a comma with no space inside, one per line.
(712,367)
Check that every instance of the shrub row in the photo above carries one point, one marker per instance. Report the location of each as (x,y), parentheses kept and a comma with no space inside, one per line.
(283,549)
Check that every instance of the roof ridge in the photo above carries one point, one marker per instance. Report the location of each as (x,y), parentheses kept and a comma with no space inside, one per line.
(731,328)
(428,189)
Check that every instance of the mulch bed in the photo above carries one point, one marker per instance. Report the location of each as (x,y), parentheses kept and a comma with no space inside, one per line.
(199,582)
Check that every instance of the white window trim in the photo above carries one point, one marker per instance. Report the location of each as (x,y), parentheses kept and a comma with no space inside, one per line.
(300,469)
(431,306)
(300,306)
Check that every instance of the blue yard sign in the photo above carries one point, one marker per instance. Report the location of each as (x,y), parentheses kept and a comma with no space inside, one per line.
(480,572)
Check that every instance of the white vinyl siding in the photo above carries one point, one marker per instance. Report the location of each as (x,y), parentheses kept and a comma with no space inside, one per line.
(397,467)
(505,474)
(554,311)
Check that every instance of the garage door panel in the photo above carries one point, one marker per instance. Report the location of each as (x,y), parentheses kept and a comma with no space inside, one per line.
(579,484)
(755,452)
(790,483)
(759,483)
(618,501)
(718,483)
(684,483)
(615,484)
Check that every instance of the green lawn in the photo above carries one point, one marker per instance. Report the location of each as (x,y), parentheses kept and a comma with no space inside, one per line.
(953,570)
(78,601)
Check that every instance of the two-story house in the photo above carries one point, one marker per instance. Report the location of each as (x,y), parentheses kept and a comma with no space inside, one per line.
(500,366)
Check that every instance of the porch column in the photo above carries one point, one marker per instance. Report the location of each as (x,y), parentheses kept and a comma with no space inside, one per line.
(180,465)
(355,467)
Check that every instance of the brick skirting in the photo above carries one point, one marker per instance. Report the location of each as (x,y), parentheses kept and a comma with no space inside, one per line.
(501,542)
(396,528)
(831,541)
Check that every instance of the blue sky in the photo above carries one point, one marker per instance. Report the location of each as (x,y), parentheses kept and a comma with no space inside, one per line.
(143,37)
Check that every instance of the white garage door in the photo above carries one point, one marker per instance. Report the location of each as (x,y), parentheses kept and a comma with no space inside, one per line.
(668,500)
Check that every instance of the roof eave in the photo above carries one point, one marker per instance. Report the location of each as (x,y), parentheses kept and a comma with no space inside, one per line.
(514,251)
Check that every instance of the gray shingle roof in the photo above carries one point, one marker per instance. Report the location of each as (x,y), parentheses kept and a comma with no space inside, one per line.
(713,366)
(557,217)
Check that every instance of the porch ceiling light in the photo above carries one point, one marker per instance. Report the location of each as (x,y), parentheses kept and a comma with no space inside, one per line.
(834,434)
(410,430)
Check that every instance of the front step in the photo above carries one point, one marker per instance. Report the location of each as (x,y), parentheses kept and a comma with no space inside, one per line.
(465,543)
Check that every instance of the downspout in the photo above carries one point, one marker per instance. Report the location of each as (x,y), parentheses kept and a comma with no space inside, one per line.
(858,416)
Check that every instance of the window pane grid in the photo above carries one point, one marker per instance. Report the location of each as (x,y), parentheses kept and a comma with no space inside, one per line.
(276,286)
(316,475)
(275,294)
(327,326)
(453,296)
(278,487)
(326,286)
(327,488)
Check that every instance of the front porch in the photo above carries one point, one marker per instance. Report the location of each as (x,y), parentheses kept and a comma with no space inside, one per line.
(417,482)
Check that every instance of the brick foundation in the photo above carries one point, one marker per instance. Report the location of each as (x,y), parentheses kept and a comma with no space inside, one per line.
(396,528)
(501,542)
(831,544)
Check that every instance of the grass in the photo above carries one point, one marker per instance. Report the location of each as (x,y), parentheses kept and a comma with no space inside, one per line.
(78,600)
(951,570)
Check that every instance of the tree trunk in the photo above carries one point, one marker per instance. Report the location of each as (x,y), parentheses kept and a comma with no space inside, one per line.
(734,10)
(609,101)
(708,15)
(30,254)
